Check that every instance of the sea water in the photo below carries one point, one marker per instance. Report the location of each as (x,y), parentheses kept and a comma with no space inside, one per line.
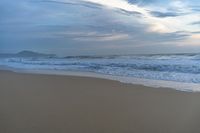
(180,69)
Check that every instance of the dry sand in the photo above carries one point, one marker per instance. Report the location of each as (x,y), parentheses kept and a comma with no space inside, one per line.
(31,103)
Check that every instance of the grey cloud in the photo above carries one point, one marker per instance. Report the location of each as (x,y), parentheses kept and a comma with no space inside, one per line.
(142,2)
(75,3)
(197,32)
(196,23)
(196,8)
(129,13)
(165,14)
(94,6)
(72,26)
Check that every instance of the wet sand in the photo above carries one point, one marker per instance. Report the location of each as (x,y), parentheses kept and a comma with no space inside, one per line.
(32,103)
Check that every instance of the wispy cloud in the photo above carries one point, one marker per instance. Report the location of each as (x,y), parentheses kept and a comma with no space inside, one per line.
(196,23)
(89,35)
(154,18)
(95,37)
(75,3)
(165,14)
(130,25)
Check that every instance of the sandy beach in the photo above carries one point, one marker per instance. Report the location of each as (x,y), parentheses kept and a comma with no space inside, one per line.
(32,103)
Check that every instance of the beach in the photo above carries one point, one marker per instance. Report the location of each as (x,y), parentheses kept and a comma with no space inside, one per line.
(39,103)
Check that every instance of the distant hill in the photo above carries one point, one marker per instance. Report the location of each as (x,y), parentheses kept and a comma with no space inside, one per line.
(27,54)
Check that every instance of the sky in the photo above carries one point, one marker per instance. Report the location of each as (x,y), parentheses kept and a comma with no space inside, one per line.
(100,27)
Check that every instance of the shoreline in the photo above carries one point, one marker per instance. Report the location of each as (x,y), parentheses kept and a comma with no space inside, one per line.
(180,86)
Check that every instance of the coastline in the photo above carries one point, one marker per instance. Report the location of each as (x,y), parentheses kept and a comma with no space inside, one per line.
(180,86)
(58,103)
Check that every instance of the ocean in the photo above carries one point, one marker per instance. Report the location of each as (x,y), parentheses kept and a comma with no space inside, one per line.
(175,68)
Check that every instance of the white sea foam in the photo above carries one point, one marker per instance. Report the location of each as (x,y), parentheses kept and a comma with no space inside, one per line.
(174,71)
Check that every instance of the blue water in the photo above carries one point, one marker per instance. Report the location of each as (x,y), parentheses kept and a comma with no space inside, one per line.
(172,67)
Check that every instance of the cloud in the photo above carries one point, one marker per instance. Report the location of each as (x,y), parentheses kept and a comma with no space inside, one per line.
(143,2)
(164,14)
(196,8)
(153,15)
(74,3)
(120,4)
(96,37)
(196,23)
(97,25)
(129,13)
(90,5)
